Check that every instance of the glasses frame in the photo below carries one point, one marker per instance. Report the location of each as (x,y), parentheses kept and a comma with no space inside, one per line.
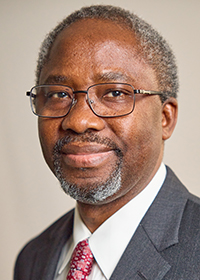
(135,91)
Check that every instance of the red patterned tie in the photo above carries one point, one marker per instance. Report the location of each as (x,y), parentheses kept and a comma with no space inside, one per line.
(81,262)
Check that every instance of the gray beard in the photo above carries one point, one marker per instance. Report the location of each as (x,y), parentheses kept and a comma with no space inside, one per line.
(89,193)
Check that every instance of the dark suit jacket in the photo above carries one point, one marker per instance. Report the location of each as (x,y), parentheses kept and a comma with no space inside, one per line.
(166,245)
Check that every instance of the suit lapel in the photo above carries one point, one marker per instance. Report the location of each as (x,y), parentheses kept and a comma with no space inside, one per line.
(158,230)
(162,220)
(141,260)
(47,257)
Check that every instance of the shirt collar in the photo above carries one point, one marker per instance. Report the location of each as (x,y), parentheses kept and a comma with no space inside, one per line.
(107,246)
(80,232)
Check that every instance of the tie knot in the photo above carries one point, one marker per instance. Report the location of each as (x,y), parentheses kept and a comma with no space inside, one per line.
(81,261)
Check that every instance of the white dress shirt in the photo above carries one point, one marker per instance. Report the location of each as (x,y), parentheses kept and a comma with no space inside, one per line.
(110,240)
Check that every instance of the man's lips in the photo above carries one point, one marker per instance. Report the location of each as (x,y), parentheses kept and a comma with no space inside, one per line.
(86,155)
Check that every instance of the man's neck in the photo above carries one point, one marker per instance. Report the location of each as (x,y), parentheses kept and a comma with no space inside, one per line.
(93,215)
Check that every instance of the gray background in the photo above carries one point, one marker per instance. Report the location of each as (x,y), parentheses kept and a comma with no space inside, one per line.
(30,195)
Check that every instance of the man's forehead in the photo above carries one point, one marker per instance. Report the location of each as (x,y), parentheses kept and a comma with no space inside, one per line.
(97,40)
(102,55)
(101,29)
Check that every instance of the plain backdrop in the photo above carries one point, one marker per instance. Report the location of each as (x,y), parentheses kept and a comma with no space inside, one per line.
(31,197)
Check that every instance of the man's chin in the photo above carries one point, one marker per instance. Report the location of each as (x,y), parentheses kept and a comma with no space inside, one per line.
(92,192)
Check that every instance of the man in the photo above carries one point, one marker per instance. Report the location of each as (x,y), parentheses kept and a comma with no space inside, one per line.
(106,100)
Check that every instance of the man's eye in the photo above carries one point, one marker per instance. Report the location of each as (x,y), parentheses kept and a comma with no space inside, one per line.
(59,94)
(115,93)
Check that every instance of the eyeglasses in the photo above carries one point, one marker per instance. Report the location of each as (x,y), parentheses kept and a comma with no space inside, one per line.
(105,100)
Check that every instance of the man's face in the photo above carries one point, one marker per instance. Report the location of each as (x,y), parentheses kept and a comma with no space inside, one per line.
(101,159)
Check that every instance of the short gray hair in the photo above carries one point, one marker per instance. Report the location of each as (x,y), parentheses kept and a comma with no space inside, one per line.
(153,47)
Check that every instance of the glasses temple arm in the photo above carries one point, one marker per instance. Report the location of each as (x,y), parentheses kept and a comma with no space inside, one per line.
(152,92)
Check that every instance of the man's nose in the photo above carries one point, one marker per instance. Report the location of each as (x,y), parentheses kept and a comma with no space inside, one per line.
(81,118)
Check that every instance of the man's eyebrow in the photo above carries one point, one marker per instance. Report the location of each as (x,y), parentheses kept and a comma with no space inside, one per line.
(56,79)
(99,78)
(114,76)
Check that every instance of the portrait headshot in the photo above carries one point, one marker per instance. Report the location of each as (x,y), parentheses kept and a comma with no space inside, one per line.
(100,140)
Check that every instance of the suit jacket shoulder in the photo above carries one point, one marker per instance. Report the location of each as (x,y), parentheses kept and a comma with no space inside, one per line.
(166,244)
(38,259)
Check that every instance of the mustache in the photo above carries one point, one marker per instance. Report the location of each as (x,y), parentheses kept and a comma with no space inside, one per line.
(86,138)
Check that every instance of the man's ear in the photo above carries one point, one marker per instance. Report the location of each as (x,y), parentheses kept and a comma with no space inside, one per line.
(169,117)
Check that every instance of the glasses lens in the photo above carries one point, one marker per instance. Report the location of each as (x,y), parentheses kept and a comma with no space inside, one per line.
(51,101)
(110,100)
